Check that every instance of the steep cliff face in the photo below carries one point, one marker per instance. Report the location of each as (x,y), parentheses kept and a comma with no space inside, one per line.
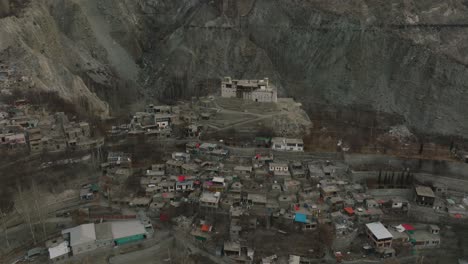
(330,53)
(33,44)
(317,56)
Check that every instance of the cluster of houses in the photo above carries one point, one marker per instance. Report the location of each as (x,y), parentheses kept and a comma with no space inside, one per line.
(26,129)
(382,239)
(160,122)
(267,192)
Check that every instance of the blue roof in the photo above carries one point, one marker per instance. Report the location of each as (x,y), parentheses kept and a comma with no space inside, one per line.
(301,218)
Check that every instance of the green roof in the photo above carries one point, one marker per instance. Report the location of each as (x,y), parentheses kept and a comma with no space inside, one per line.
(129,239)
(94,187)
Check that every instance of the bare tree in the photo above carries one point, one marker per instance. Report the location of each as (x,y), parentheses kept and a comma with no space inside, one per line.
(5,230)
(25,208)
(39,210)
(326,235)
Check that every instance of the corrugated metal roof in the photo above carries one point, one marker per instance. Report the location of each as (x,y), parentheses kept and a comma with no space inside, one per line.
(81,234)
(127,229)
(379,230)
(59,250)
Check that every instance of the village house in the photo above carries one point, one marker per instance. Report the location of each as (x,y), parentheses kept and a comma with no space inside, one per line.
(315,172)
(167,186)
(232,248)
(261,159)
(119,159)
(243,171)
(12,140)
(174,166)
(158,109)
(184,186)
(209,199)
(378,235)
(368,215)
(190,169)
(193,131)
(425,238)
(287,144)
(141,202)
(397,205)
(424,196)
(256,199)
(292,186)
(217,184)
(328,191)
(157,170)
(297,171)
(277,166)
(254,90)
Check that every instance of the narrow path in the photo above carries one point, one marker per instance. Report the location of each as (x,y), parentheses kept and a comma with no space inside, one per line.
(118,57)
(250,121)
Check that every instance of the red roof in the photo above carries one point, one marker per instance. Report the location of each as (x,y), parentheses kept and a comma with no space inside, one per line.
(458,216)
(408,227)
(205,228)
(181,178)
(349,210)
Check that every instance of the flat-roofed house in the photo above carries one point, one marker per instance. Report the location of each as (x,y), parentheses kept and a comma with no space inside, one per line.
(287,144)
(378,235)
(209,199)
(424,196)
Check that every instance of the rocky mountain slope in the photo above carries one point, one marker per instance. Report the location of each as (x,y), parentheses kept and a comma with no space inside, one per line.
(404,57)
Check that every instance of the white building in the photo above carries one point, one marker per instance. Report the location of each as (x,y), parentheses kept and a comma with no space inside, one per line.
(209,199)
(58,250)
(278,166)
(287,144)
(378,235)
(82,238)
(254,90)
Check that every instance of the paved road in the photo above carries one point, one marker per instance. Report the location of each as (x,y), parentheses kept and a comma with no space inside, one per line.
(146,256)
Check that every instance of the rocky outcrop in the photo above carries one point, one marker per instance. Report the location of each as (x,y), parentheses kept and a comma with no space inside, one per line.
(35,46)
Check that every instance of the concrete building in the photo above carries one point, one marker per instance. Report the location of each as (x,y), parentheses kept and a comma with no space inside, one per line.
(287,144)
(424,196)
(378,235)
(82,238)
(232,248)
(254,90)
(209,199)
(58,249)
(278,166)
